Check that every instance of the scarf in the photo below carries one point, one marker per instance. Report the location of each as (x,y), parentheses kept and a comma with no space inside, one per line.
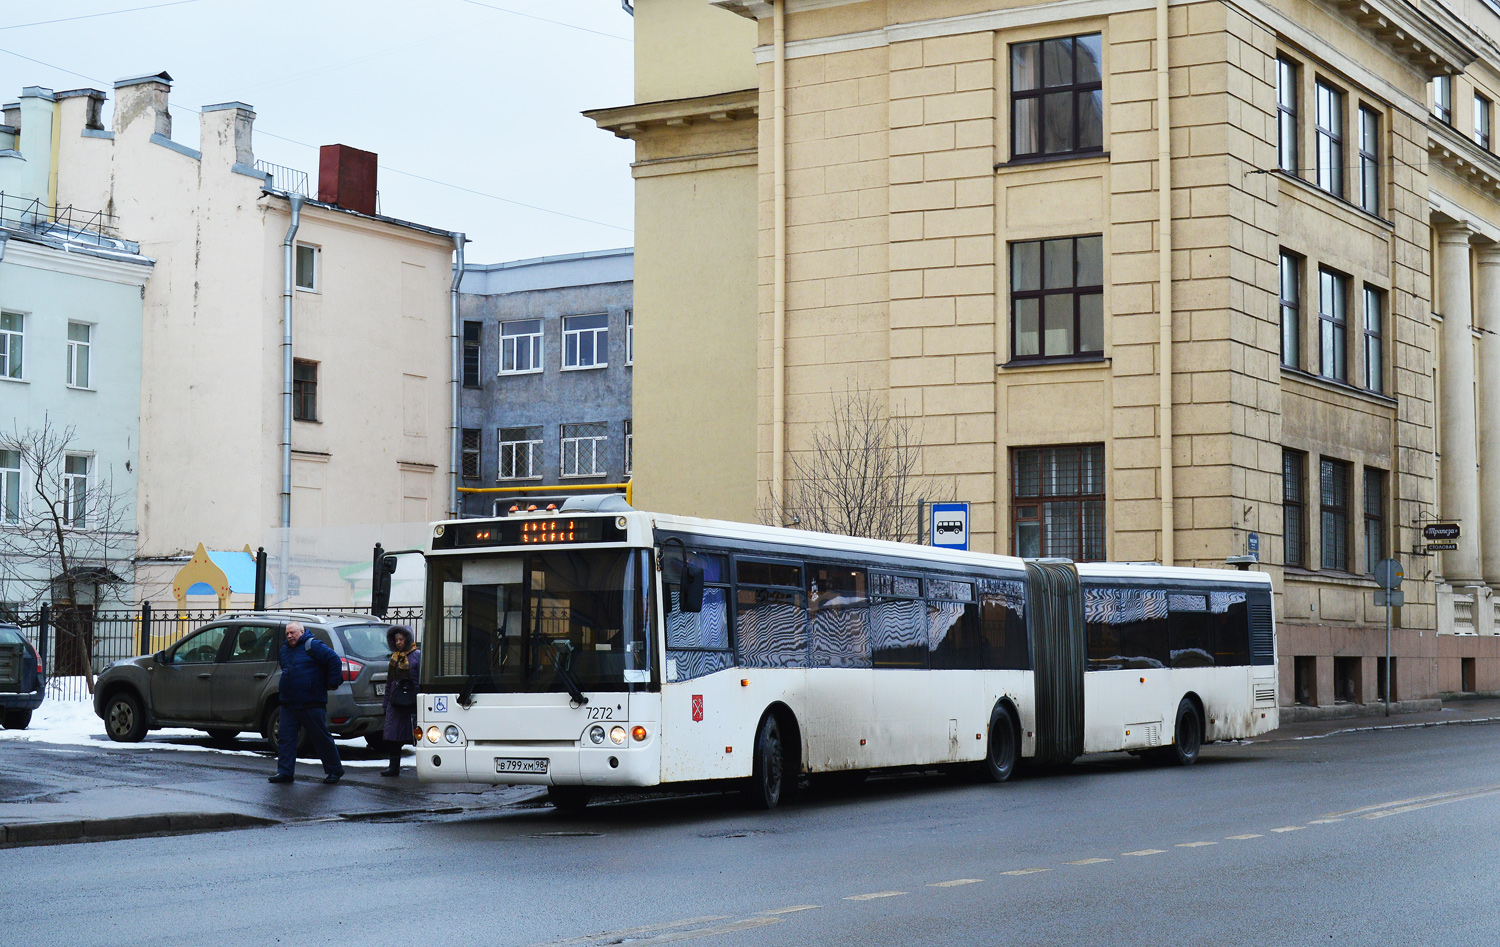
(401,663)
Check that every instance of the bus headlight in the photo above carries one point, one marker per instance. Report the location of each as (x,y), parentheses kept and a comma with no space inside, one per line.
(621,522)
(596,734)
(617,735)
(432,734)
(450,733)
(638,733)
(437,531)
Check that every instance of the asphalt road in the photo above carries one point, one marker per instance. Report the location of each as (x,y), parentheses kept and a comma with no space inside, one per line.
(1380,838)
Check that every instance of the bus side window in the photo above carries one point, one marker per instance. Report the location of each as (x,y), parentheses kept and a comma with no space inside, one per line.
(770,614)
(898,622)
(698,643)
(952,626)
(838,609)
(1231,624)
(1190,631)
(1127,628)
(1002,624)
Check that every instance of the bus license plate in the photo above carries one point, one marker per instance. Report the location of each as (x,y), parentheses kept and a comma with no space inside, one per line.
(521,766)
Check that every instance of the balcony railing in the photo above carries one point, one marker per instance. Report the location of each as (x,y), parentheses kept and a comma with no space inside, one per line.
(288,180)
(64,221)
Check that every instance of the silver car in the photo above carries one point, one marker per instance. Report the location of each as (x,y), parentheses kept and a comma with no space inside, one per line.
(224,678)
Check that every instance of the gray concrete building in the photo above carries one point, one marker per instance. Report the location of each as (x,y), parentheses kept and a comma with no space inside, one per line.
(547,353)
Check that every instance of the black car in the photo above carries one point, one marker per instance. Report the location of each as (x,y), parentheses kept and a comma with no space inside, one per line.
(224,678)
(22,679)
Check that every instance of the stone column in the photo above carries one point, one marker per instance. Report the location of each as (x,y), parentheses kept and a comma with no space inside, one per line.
(1458,493)
(1489,412)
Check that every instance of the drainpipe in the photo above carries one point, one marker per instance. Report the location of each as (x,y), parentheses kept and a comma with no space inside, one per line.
(289,266)
(778,318)
(1164,290)
(454,376)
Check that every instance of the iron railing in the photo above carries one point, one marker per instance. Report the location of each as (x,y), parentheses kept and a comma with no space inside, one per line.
(289,180)
(65,220)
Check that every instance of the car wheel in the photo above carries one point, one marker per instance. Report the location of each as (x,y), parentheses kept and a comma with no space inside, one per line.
(568,798)
(17,719)
(270,730)
(764,790)
(124,720)
(222,736)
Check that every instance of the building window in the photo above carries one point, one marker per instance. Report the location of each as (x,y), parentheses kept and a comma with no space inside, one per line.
(80,337)
(1330,129)
(1294,507)
(1291,310)
(1374,339)
(629,447)
(12,343)
(307,267)
(630,337)
(1057,501)
(1333,325)
(586,341)
(583,449)
(1334,505)
(471,453)
(1374,517)
(1369,160)
(304,390)
(1056,97)
(471,355)
(76,482)
(1286,116)
(1482,121)
(520,453)
(1057,297)
(1442,99)
(10,486)
(520,346)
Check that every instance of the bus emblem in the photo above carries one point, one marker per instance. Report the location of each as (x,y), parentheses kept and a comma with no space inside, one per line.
(698,707)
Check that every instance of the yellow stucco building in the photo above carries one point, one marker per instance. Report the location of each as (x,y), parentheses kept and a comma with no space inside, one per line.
(1155,279)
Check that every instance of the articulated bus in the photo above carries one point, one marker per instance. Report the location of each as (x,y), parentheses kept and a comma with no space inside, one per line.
(598,647)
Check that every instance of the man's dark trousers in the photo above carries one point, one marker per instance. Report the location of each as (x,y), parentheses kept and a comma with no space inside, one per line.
(313,719)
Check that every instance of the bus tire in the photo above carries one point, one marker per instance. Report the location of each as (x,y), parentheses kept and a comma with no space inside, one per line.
(768,777)
(1187,736)
(568,799)
(1003,747)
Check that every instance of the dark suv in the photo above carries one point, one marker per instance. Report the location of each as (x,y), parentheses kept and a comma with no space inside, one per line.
(21,679)
(224,678)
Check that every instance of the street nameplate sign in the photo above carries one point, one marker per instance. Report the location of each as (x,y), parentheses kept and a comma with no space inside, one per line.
(1252,545)
(1440,531)
(1442,547)
(950,525)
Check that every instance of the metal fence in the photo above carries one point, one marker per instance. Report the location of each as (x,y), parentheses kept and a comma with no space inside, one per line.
(288,180)
(77,643)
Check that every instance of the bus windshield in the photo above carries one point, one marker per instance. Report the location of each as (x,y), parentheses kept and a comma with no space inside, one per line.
(544,620)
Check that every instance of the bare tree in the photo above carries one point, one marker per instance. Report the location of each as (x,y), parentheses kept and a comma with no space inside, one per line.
(860,477)
(64,538)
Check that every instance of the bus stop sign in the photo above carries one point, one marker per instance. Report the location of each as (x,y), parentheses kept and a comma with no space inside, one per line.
(950,525)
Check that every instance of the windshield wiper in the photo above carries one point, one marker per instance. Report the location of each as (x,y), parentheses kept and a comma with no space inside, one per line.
(563,648)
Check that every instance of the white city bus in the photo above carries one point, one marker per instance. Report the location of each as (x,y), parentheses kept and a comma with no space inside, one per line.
(603,647)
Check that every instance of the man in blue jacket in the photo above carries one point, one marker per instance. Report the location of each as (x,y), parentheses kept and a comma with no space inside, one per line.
(309,670)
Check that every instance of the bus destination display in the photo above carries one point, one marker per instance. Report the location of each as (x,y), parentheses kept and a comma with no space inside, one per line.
(533,531)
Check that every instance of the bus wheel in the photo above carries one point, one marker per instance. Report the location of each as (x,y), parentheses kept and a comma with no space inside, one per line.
(1000,762)
(1189,736)
(568,798)
(764,790)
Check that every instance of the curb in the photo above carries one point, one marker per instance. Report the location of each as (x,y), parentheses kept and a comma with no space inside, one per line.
(1419,725)
(21,834)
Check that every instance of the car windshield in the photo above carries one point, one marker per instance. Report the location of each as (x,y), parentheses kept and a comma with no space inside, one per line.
(366,642)
(538,621)
(8,636)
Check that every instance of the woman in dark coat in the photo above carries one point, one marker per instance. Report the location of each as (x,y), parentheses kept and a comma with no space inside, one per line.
(406,665)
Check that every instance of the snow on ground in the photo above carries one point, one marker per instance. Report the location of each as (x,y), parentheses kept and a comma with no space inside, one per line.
(73,723)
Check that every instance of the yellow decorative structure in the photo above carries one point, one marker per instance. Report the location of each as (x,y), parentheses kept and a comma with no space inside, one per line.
(201,571)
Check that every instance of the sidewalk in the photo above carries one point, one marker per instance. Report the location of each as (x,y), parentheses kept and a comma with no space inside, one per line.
(1459,711)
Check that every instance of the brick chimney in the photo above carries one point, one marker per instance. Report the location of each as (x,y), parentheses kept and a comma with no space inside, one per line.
(346,178)
(226,127)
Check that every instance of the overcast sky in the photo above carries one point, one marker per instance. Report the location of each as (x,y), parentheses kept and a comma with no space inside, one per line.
(481,94)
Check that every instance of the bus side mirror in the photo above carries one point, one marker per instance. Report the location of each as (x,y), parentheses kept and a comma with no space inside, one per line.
(690,590)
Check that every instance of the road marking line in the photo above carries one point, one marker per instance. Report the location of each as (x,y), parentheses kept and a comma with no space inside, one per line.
(1146,851)
(1382,813)
(955,882)
(592,938)
(1324,821)
(792,910)
(1193,844)
(744,924)
(1290,828)
(1025,871)
(874,895)
(1440,796)
(1089,861)
(1241,838)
